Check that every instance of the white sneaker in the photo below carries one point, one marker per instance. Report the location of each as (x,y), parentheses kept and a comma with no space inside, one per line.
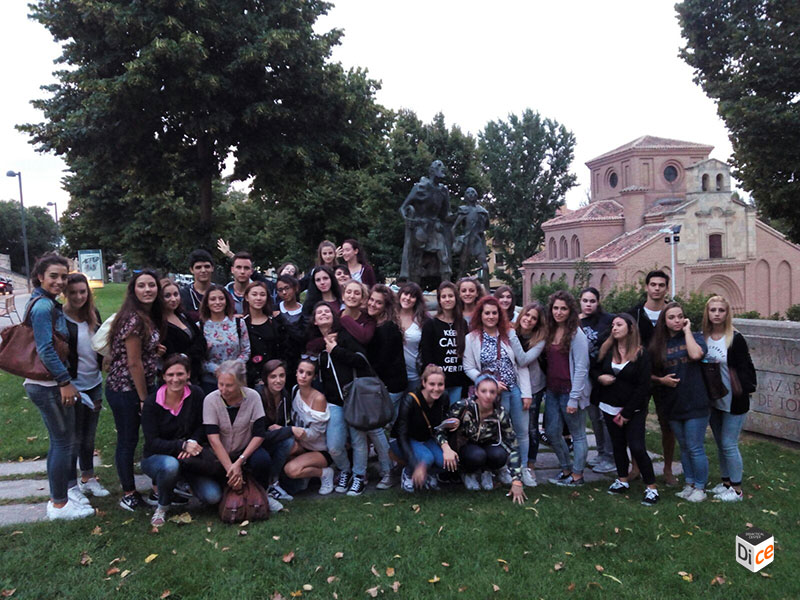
(406,483)
(528,477)
(487,481)
(277,492)
(76,495)
(431,483)
(730,495)
(386,482)
(696,496)
(604,466)
(471,481)
(718,489)
(93,487)
(326,481)
(70,511)
(504,476)
(274,505)
(159,516)
(685,492)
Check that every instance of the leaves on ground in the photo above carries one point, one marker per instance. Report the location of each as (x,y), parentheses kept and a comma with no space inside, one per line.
(390,571)
(150,558)
(182,519)
(396,586)
(85,559)
(287,558)
(339,555)
(558,566)
(686,576)
(435,579)
(373,591)
(718,580)
(97,530)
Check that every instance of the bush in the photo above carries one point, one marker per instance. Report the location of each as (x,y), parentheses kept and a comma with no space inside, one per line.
(541,291)
(793,312)
(750,314)
(621,299)
(693,307)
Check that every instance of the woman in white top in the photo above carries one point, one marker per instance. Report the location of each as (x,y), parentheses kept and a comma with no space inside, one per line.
(412,317)
(311,415)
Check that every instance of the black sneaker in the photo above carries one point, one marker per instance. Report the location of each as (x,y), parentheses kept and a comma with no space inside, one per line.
(619,487)
(561,477)
(343,482)
(358,485)
(151,499)
(178,500)
(131,501)
(570,482)
(183,490)
(544,439)
(650,497)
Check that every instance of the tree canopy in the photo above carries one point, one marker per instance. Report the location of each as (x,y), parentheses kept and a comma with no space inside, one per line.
(39,226)
(746,56)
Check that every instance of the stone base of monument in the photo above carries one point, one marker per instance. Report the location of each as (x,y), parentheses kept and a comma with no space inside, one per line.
(775,349)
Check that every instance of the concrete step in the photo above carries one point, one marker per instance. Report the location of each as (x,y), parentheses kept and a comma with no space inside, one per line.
(31,467)
(16,489)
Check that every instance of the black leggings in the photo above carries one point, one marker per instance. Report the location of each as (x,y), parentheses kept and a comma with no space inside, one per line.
(630,435)
(480,457)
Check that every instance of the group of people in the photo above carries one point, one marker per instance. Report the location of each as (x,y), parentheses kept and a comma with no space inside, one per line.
(250,380)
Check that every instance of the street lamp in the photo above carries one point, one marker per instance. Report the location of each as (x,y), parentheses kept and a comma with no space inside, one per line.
(55,210)
(18,175)
(672,239)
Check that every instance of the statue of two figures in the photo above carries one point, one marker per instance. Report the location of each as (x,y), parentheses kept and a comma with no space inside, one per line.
(431,239)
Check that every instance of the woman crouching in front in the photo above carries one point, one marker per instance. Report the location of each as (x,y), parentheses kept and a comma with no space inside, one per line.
(490,441)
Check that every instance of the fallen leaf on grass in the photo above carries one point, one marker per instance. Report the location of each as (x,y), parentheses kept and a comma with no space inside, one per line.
(611,577)
(444,564)
(718,580)
(296,593)
(571,587)
(599,568)
(390,571)
(339,555)
(396,586)
(244,523)
(308,587)
(440,530)
(32,438)
(332,578)
(434,580)
(495,587)
(165,594)
(462,588)
(97,530)
(243,532)
(13,533)
(85,559)
(686,576)
(276,596)
(397,528)
(276,537)
(116,560)
(558,566)
(112,571)
(125,573)
(150,558)
(287,558)
(8,593)
(374,571)
(415,507)
(767,575)
(373,591)
(155,529)
(181,519)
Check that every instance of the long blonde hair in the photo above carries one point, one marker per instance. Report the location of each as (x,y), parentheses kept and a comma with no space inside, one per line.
(728,325)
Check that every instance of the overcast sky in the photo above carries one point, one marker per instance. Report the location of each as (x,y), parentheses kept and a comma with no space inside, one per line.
(609,71)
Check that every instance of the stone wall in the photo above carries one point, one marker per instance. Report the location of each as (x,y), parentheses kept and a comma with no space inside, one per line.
(775,349)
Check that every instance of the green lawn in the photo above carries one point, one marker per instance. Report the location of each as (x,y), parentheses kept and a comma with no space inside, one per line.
(550,548)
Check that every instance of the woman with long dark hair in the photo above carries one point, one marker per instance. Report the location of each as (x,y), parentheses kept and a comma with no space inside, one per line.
(324,256)
(264,331)
(85,366)
(354,257)
(492,347)
(323,287)
(135,336)
(411,317)
(56,396)
(568,386)
(728,347)
(622,373)
(182,335)
(676,353)
(442,341)
(505,296)
(226,336)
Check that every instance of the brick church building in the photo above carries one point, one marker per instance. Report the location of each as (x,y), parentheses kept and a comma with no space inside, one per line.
(654,183)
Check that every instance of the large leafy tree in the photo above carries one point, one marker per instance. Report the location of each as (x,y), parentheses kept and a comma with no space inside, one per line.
(746,56)
(527,160)
(40,229)
(156,96)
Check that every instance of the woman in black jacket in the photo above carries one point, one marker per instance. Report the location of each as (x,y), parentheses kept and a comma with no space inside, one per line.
(182,335)
(385,349)
(264,330)
(622,371)
(172,423)
(729,348)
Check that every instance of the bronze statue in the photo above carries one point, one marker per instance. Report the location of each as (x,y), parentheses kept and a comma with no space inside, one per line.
(428,237)
(472,244)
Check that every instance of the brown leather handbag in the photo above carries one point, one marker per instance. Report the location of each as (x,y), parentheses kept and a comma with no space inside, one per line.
(18,354)
(247,503)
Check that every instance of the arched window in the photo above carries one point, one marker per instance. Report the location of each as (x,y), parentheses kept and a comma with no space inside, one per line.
(715,245)
(563,250)
(576,247)
(705,182)
(551,249)
(719,182)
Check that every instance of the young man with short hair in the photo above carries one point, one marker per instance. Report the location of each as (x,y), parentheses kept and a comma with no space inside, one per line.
(201,266)
(646,315)
(242,270)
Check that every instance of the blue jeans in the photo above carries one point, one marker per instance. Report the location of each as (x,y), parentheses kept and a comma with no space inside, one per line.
(358,439)
(164,470)
(533,426)
(259,465)
(726,429)
(337,438)
(453,394)
(428,452)
(555,416)
(278,452)
(413,384)
(605,450)
(85,430)
(511,401)
(60,423)
(690,435)
(205,489)
(125,408)
(396,398)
